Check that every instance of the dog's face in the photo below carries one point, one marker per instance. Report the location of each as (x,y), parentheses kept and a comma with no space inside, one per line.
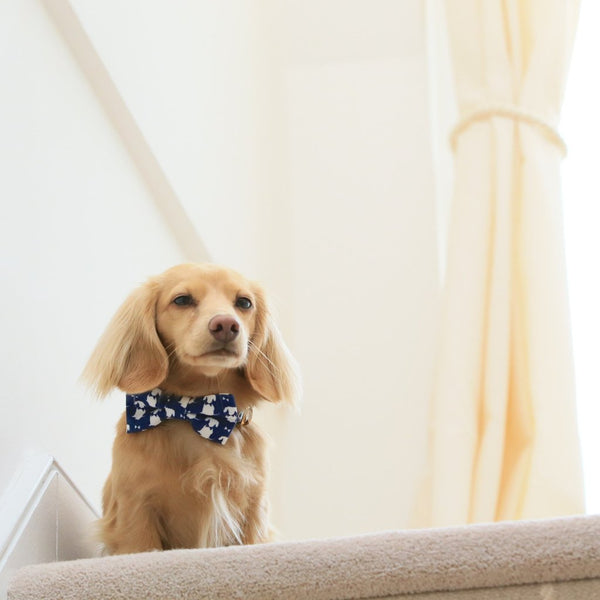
(207,316)
(204,318)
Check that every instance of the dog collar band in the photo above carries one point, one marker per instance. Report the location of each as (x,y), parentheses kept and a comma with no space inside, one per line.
(213,417)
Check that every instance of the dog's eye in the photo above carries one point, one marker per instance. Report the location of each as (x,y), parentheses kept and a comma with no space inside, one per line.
(243,302)
(183,300)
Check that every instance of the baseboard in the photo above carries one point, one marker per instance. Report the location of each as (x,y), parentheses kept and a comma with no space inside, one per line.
(44,519)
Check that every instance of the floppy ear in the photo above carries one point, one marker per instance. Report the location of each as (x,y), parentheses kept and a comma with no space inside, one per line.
(129,355)
(271,369)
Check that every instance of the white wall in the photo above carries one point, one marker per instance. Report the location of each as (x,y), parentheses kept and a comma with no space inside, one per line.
(580,127)
(364,264)
(296,134)
(192,74)
(78,231)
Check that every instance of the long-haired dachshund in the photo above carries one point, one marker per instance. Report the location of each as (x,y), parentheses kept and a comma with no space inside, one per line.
(194,349)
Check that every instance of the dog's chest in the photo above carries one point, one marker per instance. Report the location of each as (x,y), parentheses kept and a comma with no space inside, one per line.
(224,485)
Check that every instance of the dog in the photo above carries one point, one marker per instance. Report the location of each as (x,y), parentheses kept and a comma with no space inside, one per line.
(195,341)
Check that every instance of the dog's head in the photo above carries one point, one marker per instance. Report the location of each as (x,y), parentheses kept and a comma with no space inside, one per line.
(202,319)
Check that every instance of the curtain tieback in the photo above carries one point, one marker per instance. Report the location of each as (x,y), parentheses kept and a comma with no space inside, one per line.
(507,111)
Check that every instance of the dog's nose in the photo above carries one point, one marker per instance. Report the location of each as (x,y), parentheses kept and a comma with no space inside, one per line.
(224,328)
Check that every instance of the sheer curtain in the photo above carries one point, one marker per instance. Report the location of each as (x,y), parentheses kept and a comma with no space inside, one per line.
(504,441)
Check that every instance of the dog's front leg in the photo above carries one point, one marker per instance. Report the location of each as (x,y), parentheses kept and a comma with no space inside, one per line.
(135,535)
(257,528)
(128,526)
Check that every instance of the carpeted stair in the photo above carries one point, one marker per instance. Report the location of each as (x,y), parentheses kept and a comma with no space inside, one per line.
(544,560)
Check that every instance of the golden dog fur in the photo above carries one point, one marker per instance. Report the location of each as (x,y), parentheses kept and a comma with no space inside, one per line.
(169,487)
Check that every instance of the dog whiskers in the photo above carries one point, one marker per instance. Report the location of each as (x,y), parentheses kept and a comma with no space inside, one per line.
(171,349)
(264,359)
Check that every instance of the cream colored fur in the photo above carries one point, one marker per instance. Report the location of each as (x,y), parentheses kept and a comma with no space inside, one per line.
(169,487)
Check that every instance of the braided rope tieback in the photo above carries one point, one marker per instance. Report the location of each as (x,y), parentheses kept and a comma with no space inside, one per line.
(507,111)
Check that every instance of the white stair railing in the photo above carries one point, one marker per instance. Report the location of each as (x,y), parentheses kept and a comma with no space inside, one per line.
(43,518)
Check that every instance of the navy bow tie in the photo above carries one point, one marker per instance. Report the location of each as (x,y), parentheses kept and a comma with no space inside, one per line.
(213,417)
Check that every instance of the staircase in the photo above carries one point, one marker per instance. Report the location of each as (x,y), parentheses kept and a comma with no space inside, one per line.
(547,559)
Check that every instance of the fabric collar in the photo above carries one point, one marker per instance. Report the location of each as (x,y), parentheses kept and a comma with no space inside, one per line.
(213,417)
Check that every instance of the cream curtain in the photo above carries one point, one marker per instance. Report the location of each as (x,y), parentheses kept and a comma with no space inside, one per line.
(504,441)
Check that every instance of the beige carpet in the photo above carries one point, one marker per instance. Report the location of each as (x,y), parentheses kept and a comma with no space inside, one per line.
(548,560)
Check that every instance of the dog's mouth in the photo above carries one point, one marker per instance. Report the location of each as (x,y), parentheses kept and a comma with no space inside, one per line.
(225,352)
(222,355)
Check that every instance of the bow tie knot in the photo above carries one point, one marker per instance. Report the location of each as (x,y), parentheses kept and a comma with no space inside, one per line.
(213,417)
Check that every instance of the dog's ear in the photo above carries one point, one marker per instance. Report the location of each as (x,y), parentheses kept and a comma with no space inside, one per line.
(129,355)
(271,369)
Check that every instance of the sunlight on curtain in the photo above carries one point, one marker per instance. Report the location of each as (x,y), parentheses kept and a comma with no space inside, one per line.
(580,124)
(504,441)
